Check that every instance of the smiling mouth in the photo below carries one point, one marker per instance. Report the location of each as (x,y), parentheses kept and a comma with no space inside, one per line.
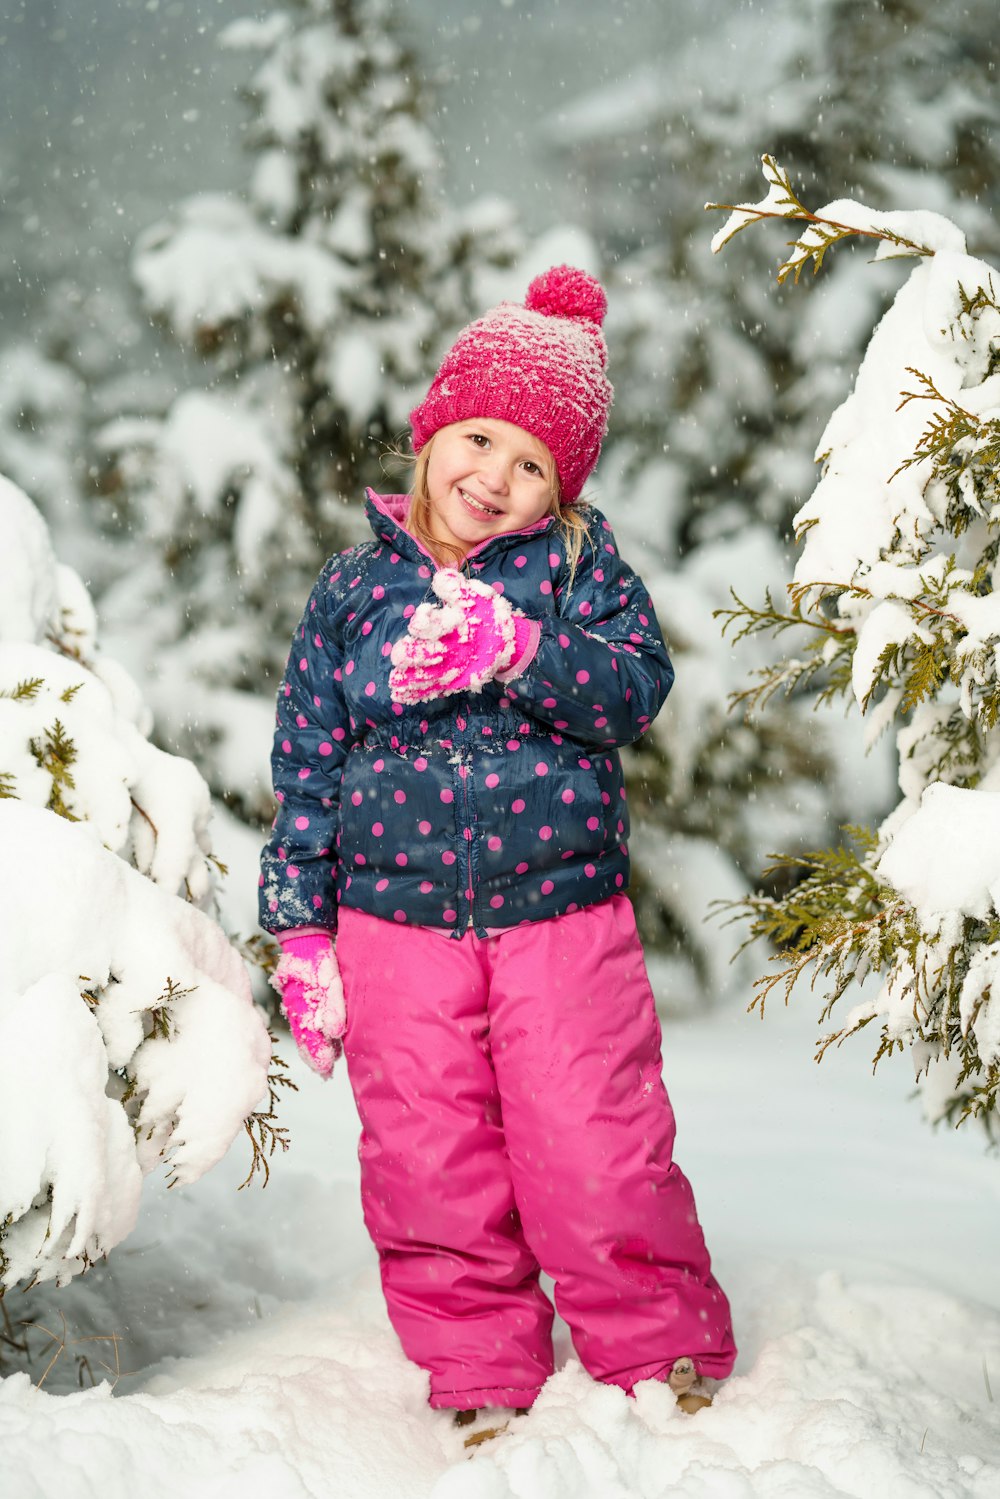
(477,506)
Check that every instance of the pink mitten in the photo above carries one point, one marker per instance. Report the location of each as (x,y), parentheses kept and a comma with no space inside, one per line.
(459,645)
(312,996)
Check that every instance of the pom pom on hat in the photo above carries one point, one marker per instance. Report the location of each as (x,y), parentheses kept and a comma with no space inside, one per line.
(567,292)
(540,366)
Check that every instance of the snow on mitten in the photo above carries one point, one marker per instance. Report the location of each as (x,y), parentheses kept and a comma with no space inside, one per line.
(459,645)
(312,996)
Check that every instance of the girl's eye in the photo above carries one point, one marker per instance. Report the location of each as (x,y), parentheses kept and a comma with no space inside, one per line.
(533,467)
(480,439)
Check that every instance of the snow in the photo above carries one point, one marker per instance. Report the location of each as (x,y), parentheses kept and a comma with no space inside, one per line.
(258,1358)
(945,858)
(116,941)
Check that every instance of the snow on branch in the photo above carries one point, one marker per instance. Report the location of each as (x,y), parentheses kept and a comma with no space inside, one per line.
(128,1034)
(895,606)
(897,234)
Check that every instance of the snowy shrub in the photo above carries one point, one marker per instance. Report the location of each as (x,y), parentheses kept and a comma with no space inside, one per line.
(894,605)
(119,994)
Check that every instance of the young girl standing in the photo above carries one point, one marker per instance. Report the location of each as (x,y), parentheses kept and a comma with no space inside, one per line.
(451,807)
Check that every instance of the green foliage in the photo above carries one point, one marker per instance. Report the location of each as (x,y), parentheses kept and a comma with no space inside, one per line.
(56,753)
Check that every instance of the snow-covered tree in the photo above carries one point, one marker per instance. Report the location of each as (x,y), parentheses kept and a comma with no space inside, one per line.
(119,992)
(895,606)
(319,300)
(722,386)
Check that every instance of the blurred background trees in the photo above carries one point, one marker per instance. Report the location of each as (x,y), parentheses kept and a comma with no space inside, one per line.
(306,254)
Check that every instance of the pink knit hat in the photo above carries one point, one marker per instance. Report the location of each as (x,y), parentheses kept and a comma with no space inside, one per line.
(540,366)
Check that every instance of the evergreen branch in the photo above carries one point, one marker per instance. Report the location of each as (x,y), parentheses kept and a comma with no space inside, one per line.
(56,753)
(27,690)
(782,202)
(264,1133)
(8,780)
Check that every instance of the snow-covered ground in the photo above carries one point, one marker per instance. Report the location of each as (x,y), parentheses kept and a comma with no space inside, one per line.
(859,1251)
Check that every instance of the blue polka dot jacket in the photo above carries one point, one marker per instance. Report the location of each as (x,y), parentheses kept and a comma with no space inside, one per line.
(481,810)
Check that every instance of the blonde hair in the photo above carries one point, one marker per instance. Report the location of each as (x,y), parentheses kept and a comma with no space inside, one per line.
(572,522)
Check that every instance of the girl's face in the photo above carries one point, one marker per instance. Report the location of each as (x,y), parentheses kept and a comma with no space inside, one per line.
(485,477)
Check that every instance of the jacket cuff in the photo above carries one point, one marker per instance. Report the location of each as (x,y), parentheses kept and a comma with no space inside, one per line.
(302,931)
(527,634)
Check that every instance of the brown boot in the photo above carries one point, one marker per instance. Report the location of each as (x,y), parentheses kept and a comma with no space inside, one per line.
(691,1394)
(484,1433)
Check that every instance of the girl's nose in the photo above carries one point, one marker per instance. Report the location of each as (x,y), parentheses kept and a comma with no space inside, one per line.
(494,473)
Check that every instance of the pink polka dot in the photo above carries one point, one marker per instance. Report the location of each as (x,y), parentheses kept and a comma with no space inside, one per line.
(318,901)
(593,823)
(356,798)
(304,773)
(339,734)
(301,823)
(583,676)
(447,796)
(286,745)
(585,608)
(564,642)
(370,689)
(349,668)
(424,827)
(547,887)
(399,915)
(569,796)
(402,860)
(545,586)
(494,843)
(293,871)
(467,834)
(521,868)
(378,766)
(553,559)
(496,901)
(589,870)
(520,561)
(377,829)
(381,884)
(513,744)
(378,592)
(449,915)
(272,905)
(399,797)
(301,720)
(541,769)
(517,805)
(448,857)
(545,833)
(326,748)
(426,887)
(548,702)
(600,723)
(619,880)
(492,780)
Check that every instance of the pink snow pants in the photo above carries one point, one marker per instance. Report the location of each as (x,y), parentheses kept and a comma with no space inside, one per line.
(514,1119)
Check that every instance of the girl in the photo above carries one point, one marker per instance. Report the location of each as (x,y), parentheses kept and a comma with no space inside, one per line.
(451,805)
